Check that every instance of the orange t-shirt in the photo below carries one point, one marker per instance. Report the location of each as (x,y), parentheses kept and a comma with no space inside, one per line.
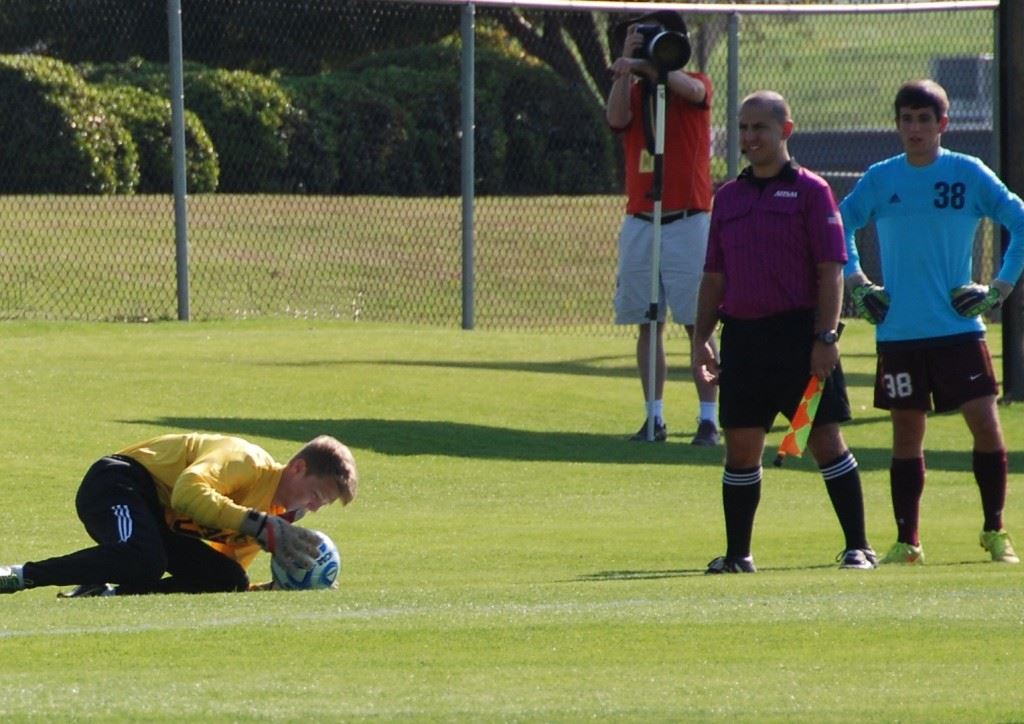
(686,163)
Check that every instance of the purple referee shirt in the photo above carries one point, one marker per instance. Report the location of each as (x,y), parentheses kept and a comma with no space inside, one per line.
(768,240)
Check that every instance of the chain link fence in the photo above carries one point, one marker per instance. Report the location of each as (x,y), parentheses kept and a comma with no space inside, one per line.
(323,150)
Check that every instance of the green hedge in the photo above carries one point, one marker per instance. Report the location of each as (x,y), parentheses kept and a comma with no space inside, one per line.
(264,143)
(557,140)
(253,124)
(366,135)
(56,136)
(388,125)
(148,118)
(431,150)
(535,134)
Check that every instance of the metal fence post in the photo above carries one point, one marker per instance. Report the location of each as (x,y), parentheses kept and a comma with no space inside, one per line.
(178,147)
(468,154)
(732,105)
(1010,107)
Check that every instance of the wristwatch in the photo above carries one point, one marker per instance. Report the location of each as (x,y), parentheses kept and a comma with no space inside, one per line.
(829,336)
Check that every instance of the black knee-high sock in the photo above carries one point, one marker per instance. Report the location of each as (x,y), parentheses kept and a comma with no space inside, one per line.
(741,493)
(990,474)
(842,481)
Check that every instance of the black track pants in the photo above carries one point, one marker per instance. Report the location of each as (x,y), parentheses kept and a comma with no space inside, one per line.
(118,504)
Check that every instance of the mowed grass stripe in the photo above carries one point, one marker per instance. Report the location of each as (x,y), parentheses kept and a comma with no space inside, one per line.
(510,557)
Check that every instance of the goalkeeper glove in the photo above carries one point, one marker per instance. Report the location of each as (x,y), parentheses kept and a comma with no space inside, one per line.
(871,302)
(970,300)
(294,544)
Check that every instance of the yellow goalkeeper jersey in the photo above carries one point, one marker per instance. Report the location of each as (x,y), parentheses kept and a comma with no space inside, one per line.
(206,483)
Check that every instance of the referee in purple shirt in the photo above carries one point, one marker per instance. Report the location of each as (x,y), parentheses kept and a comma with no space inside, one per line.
(773,276)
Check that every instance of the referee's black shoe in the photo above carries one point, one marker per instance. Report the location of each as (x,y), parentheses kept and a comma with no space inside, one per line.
(730,564)
(660,432)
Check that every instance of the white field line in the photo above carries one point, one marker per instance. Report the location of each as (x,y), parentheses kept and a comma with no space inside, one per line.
(805,607)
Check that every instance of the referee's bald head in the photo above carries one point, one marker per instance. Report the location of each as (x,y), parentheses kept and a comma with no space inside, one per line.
(772,101)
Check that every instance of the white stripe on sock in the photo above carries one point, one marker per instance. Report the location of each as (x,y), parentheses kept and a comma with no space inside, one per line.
(752,477)
(844,465)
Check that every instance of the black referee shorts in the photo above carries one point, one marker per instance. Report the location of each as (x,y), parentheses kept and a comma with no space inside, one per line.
(766,364)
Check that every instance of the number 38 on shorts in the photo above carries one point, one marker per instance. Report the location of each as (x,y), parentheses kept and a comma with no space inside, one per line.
(940,378)
(898,385)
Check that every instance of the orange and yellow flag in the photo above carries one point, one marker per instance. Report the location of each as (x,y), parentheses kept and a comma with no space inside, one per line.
(800,426)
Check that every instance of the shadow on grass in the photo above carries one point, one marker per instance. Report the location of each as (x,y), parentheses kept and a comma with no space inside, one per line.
(605,366)
(641,575)
(454,439)
(625,367)
(678,573)
(636,575)
(462,440)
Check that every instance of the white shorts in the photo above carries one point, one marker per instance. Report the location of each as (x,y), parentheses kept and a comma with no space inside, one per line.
(684,243)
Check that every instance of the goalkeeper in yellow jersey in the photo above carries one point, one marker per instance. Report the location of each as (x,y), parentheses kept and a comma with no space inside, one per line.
(197,507)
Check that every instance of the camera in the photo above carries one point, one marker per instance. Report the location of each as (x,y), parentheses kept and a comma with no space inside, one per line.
(666,49)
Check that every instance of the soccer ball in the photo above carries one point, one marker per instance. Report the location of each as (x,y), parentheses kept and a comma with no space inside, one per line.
(323,574)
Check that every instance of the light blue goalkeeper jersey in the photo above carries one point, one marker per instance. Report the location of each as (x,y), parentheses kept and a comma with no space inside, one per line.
(926,218)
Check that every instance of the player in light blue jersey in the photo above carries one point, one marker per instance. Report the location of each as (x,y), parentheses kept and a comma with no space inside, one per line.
(926,204)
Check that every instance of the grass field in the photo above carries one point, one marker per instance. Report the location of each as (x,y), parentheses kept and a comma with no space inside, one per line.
(540,262)
(510,557)
(842,71)
(544,263)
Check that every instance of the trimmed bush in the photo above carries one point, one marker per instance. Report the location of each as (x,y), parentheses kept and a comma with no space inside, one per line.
(153,77)
(491,142)
(426,159)
(535,134)
(64,138)
(148,118)
(558,142)
(264,143)
(253,124)
(391,125)
(366,135)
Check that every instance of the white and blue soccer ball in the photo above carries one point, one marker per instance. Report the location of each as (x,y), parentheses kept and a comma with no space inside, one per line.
(323,574)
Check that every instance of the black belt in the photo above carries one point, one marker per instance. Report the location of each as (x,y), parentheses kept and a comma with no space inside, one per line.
(669,218)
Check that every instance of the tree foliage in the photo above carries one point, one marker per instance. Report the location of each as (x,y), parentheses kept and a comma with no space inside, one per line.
(300,36)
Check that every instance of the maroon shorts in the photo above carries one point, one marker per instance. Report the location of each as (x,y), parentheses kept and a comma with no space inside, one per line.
(947,376)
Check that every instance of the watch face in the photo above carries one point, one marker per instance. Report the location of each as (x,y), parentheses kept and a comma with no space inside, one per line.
(828,337)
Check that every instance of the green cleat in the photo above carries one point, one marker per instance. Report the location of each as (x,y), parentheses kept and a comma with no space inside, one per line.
(10,581)
(906,553)
(999,545)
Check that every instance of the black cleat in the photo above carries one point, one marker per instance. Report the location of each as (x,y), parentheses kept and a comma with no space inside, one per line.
(660,432)
(87,590)
(863,559)
(727,564)
(707,434)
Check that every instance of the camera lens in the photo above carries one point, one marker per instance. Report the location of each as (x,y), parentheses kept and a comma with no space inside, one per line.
(669,51)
